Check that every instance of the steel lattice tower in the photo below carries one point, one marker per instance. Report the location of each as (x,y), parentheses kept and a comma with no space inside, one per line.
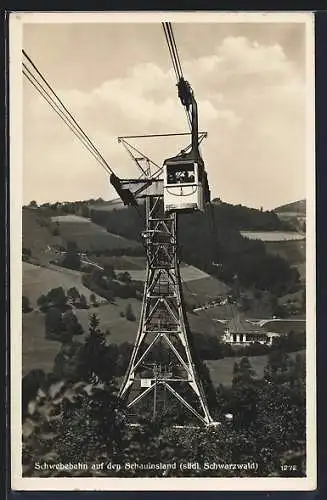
(162,366)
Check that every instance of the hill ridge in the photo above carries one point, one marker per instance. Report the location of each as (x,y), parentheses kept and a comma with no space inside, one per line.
(298,206)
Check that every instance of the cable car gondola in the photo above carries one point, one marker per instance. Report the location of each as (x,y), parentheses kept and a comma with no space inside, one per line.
(183,184)
(185,180)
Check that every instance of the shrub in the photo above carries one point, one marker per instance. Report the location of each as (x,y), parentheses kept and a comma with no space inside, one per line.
(57,297)
(43,303)
(82,303)
(73,293)
(129,314)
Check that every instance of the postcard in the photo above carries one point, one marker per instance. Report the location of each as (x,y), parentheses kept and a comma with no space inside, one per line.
(162,255)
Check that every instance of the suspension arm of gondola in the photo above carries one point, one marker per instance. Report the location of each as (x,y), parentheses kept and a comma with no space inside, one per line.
(130,148)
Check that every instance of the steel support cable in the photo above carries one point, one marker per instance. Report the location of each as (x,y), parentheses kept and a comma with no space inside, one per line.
(65,115)
(178,64)
(171,50)
(174,49)
(27,73)
(71,117)
(169,34)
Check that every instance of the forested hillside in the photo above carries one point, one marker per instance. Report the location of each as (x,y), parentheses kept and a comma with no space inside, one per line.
(213,243)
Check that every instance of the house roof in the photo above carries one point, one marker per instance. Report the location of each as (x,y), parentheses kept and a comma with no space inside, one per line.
(238,324)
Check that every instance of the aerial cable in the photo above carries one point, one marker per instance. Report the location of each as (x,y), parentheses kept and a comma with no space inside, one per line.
(31,78)
(65,115)
(169,34)
(71,117)
(175,51)
(40,89)
(86,143)
(64,107)
(171,51)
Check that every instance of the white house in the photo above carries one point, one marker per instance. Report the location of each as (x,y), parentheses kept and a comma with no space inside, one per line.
(240,332)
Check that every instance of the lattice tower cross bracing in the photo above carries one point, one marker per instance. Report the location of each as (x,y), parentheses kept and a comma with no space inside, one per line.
(162,363)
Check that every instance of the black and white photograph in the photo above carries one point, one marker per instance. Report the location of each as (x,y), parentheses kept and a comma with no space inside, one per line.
(162,249)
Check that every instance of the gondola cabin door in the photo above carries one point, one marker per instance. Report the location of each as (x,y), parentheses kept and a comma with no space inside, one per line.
(183,189)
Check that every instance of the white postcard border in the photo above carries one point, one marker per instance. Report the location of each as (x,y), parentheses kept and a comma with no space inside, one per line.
(16,22)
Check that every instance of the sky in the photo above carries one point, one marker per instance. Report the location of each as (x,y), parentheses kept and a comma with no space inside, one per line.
(249,80)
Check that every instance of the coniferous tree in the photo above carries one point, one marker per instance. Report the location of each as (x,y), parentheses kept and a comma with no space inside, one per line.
(243,372)
(93,300)
(244,396)
(71,326)
(83,302)
(95,362)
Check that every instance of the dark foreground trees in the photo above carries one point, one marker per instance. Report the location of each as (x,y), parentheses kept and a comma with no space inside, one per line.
(77,417)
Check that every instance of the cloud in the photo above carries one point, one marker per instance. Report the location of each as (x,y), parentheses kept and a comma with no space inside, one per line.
(251,100)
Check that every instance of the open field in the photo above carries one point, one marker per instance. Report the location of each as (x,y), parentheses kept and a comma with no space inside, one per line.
(121,262)
(89,236)
(221,370)
(39,280)
(200,291)
(273,235)
(121,330)
(37,236)
(37,351)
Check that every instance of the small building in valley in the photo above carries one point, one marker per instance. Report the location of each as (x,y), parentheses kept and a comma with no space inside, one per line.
(238,331)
